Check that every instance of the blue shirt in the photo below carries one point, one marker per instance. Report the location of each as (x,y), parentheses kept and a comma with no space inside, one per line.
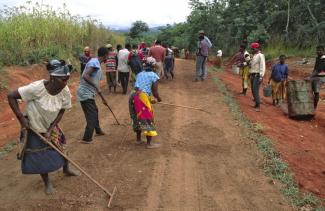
(144,81)
(85,90)
(279,72)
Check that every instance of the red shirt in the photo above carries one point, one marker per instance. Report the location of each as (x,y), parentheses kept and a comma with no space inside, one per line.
(157,52)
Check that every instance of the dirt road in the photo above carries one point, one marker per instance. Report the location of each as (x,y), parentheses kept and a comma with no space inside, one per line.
(204,162)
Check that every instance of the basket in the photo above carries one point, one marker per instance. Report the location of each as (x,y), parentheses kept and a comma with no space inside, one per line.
(267,91)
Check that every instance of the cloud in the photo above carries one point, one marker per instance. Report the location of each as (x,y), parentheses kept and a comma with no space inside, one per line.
(123,12)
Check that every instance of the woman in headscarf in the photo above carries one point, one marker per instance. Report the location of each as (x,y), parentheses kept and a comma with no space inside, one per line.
(140,103)
(46,101)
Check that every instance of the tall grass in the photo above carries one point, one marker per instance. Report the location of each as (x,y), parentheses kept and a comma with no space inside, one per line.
(33,32)
(277,46)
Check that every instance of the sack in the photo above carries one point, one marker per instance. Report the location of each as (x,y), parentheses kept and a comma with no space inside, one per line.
(135,63)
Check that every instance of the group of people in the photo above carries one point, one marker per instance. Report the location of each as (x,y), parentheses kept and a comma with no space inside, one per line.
(252,69)
(47,100)
(124,63)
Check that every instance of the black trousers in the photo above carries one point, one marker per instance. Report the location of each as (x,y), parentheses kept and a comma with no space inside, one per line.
(90,110)
(124,77)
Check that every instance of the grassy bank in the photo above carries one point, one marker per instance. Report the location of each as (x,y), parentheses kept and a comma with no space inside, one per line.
(33,32)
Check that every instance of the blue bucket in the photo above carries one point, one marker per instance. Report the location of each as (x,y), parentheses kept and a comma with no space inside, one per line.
(267,91)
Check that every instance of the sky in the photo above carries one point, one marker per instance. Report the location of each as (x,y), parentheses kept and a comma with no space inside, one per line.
(122,13)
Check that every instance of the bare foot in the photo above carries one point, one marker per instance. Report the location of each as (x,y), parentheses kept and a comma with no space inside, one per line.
(153,146)
(71,173)
(49,189)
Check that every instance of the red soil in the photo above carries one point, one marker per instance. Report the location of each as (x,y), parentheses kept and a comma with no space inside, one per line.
(300,143)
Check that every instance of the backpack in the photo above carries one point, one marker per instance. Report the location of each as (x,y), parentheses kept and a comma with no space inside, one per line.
(135,63)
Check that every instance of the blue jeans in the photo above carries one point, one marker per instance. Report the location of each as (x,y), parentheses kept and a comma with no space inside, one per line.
(255,83)
(201,69)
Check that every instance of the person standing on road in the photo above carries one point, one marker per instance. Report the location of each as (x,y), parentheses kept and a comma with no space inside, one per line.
(111,68)
(84,59)
(257,72)
(278,78)
(140,103)
(46,102)
(201,56)
(87,90)
(318,75)
(123,67)
(158,53)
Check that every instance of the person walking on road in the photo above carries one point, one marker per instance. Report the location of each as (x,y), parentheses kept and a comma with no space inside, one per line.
(158,53)
(257,72)
(111,68)
(88,89)
(140,103)
(46,102)
(123,67)
(278,78)
(169,63)
(318,74)
(201,56)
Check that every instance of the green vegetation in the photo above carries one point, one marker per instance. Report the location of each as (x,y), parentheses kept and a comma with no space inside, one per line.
(281,26)
(34,32)
(274,167)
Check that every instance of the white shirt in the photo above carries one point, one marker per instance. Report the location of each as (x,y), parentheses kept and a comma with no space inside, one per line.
(42,108)
(123,60)
(258,64)
(219,53)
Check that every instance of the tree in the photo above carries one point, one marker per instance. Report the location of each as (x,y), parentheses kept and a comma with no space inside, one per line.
(138,28)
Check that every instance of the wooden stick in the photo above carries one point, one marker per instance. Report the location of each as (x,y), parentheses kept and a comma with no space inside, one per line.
(182,106)
(113,114)
(78,167)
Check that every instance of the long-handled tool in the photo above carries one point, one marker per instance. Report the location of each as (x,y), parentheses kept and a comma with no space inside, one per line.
(113,114)
(110,194)
(182,106)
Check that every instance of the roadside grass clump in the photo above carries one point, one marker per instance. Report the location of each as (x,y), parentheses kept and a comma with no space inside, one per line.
(273,166)
(34,32)
(7,148)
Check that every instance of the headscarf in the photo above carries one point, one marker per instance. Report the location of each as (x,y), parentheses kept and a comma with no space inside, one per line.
(58,68)
(255,45)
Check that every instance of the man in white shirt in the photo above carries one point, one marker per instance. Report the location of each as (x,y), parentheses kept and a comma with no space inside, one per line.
(123,67)
(257,72)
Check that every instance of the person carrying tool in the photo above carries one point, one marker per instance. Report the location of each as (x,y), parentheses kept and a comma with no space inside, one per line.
(140,103)
(46,101)
(87,90)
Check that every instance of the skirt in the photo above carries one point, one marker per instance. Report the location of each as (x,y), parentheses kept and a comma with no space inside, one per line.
(141,113)
(39,157)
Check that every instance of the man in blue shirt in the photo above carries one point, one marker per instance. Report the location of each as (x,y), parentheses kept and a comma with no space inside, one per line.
(87,90)
(279,76)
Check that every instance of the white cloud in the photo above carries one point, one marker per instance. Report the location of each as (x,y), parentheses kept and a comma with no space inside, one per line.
(123,12)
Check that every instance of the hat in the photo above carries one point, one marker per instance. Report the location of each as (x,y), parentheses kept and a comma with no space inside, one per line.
(109,46)
(58,68)
(201,32)
(255,45)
